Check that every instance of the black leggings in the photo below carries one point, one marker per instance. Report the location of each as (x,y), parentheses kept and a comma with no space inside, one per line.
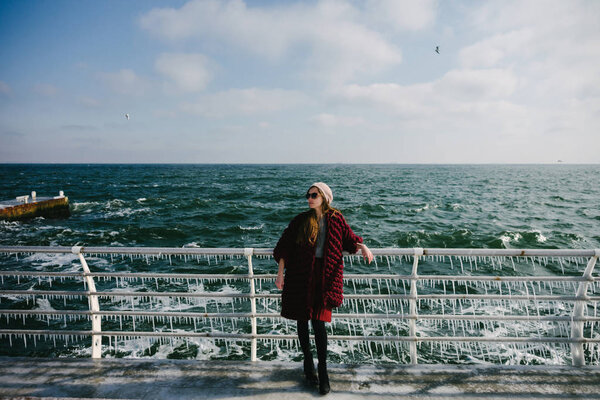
(320,340)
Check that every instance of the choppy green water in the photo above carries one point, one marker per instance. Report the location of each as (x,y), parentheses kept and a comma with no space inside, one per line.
(496,206)
(462,206)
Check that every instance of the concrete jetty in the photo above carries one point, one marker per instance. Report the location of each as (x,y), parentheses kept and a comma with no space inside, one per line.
(26,207)
(185,379)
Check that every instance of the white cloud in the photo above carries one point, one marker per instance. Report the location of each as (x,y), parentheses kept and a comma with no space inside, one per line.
(125,82)
(45,89)
(189,72)
(336,37)
(401,15)
(456,90)
(4,88)
(463,103)
(245,102)
(553,46)
(492,51)
(336,121)
(476,85)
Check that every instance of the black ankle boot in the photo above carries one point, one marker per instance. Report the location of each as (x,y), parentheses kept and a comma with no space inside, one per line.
(323,379)
(309,371)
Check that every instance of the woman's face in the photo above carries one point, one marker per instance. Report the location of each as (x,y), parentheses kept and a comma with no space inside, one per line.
(314,203)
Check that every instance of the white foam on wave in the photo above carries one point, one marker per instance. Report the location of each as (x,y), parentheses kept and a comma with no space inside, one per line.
(40,261)
(114,203)
(11,225)
(539,236)
(456,206)
(425,207)
(84,204)
(126,212)
(141,199)
(510,237)
(251,228)
(43,305)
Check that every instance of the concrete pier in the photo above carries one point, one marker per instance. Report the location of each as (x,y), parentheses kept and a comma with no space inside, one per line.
(178,379)
(26,207)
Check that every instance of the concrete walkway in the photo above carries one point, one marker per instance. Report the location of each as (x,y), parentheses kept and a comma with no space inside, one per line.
(25,378)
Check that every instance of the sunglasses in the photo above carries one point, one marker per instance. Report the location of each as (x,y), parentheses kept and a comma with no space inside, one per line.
(312,195)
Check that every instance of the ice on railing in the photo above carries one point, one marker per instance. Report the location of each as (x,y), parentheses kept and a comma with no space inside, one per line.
(147,298)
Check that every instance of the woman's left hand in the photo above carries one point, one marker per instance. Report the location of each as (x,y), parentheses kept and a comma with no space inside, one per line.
(367,254)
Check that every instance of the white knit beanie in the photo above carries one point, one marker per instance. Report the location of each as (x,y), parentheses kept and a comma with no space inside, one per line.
(326,191)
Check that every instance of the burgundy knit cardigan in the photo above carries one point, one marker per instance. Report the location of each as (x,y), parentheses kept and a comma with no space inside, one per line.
(296,302)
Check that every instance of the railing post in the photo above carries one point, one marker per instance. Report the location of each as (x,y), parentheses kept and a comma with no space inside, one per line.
(248,253)
(94,306)
(413,306)
(577,353)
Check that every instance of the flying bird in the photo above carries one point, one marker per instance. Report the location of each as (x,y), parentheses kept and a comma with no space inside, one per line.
(127,116)
(437,49)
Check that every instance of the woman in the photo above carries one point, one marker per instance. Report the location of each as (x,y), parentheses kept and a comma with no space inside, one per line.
(310,252)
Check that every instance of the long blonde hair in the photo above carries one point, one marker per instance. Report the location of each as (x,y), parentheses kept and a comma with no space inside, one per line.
(309,229)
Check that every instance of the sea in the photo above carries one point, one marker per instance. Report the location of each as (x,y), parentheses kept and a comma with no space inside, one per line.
(554,206)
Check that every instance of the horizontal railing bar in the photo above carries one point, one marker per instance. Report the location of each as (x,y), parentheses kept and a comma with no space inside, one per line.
(168,275)
(358,316)
(470,278)
(82,293)
(458,317)
(509,252)
(35,249)
(150,275)
(269,251)
(272,296)
(164,251)
(42,274)
(464,278)
(125,294)
(222,335)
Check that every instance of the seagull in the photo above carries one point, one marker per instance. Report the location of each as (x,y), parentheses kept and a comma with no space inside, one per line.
(127,116)
(437,49)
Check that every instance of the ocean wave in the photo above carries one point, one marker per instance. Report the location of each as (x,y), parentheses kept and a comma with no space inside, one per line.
(539,237)
(251,228)
(127,212)
(43,305)
(114,203)
(527,238)
(11,225)
(78,206)
(456,206)
(40,261)
(509,237)
(589,213)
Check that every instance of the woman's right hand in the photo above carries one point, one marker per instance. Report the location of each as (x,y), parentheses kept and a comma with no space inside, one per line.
(279,281)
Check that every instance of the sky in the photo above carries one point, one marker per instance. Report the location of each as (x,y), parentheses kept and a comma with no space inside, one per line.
(324,81)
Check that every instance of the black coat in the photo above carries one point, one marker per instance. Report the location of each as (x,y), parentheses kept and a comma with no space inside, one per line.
(300,261)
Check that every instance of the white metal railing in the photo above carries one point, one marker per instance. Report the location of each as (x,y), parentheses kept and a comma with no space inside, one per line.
(574,290)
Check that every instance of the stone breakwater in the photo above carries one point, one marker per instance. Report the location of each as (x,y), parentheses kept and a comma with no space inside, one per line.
(47,207)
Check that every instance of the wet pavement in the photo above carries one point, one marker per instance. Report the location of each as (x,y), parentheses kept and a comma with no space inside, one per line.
(33,378)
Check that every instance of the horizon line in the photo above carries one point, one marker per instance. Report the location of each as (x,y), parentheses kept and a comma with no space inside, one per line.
(299,163)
